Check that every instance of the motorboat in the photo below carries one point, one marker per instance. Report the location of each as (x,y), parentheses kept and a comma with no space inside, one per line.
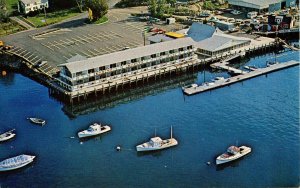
(37,121)
(93,130)
(190,86)
(219,78)
(156,143)
(233,153)
(271,63)
(7,135)
(16,162)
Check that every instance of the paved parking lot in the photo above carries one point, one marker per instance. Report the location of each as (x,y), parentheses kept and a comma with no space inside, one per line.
(56,44)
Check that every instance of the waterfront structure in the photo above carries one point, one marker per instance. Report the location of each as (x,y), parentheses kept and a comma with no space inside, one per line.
(220,44)
(91,72)
(26,6)
(261,6)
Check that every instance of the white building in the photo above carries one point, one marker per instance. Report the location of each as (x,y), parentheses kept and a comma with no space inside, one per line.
(26,6)
(261,5)
(82,73)
(220,44)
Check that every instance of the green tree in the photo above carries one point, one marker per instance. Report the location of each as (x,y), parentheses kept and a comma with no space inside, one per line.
(3,11)
(98,7)
(152,7)
(161,8)
(157,8)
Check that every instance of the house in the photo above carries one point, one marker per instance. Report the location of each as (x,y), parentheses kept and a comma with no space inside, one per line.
(26,6)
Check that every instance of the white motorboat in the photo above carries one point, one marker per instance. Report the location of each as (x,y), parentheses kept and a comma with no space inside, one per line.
(16,162)
(94,130)
(219,78)
(156,143)
(7,135)
(37,121)
(233,153)
(189,86)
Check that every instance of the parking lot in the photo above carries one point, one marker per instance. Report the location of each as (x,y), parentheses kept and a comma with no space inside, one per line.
(56,44)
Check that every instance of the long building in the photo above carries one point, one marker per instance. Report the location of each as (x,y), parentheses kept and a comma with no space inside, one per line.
(261,5)
(89,72)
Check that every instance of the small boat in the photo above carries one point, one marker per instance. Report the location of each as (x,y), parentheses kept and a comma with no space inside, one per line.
(156,143)
(233,153)
(189,86)
(16,162)
(270,63)
(7,135)
(37,121)
(219,78)
(94,130)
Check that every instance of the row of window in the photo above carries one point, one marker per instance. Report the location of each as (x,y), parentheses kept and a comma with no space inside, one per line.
(125,70)
(135,60)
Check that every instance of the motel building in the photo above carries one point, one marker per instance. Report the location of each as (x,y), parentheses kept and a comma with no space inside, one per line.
(81,73)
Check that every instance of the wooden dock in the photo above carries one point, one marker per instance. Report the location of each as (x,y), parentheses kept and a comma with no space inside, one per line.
(241,77)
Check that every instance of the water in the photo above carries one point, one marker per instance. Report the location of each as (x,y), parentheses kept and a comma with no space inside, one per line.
(262,112)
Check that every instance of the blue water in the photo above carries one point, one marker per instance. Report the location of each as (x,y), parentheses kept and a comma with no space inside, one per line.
(262,112)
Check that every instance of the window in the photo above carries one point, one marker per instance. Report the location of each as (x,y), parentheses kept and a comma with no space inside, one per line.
(91,71)
(143,66)
(133,60)
(180,49)
(112,65)
(153,56)
(162,53)
(102,68)
(171,51)
(78,73)
(123,63)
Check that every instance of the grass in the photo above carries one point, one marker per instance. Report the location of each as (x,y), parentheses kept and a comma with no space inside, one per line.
(12,6)
(52,17)
(104,19)
(9,28)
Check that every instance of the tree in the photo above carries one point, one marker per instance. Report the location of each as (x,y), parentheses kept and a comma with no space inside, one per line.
(152,7)
(3,11)
(98,7)
(157,8)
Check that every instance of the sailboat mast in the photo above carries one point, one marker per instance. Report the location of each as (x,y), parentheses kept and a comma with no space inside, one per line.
(171,133)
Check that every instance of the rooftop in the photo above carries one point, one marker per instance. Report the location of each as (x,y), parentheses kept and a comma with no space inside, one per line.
(220,41)
(250,3)
(33,1)
(200,32)
(120,56)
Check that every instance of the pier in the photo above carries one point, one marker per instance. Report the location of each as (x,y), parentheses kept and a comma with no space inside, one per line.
(239,78)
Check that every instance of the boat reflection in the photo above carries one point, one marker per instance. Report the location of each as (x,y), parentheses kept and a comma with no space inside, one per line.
(233,164)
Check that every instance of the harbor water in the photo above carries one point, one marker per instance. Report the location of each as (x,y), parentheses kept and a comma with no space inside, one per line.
(262,113)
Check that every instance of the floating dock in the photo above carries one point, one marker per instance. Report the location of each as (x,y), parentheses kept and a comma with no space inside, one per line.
(241,77)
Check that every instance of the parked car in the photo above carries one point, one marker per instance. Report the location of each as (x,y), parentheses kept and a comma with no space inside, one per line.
(204,14)
(213,19)
(251,14)
(236,12)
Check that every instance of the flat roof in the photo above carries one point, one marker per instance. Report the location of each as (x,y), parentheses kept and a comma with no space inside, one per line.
(33,1)
(174,34)
(125,55)
(159,38)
